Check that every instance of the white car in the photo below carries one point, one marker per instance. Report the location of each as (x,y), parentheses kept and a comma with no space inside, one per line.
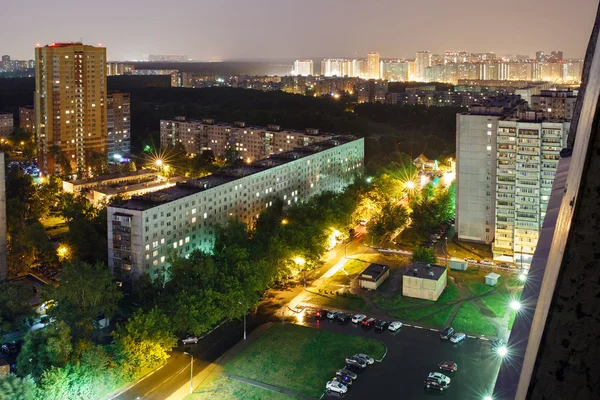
(332,314)
(458,337)
(489,263)
(335,386)
(439,376)
(358,318)
(394,326)
(365,357)
(190,339)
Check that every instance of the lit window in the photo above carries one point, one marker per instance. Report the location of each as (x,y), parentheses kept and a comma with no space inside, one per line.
(489,148)
(175,245)
(489,125)
(489,133)
(147,247)
(162,259)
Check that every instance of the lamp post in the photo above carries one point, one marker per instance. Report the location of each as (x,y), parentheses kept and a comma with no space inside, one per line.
(191,371)
(240,303)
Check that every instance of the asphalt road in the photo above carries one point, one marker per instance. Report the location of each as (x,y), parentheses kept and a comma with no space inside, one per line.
(412,354)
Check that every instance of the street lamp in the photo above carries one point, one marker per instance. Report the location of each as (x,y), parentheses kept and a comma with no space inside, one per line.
(191,371)
(245,311)
(488,398)
(515,305)
(522,277)
(502,351)
(300,262)
(158,162)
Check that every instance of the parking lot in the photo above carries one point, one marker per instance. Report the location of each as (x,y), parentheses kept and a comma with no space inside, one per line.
(412,354)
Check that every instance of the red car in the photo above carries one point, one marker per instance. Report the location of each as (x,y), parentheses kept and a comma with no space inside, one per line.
(369,322)
(448,366)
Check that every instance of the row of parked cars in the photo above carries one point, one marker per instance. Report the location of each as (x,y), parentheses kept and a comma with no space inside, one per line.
(378,324)
(488,263)
(439,232)
(344,378)
(450,333)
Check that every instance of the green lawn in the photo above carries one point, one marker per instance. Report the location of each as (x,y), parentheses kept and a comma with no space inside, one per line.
(409,238)
(498,303)
(474,280)
(414,313)
(220,387)
(514,281)
(335,301)
(440,318)
(511,320)
(460,249)
(53,221)
(350,271)
(299,358)
(470,320)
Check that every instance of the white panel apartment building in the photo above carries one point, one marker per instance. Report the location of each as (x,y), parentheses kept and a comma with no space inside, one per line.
(251,142)
(528,153)
(143,230)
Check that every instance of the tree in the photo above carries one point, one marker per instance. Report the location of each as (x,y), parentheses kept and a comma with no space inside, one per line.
(98,163)
(14,306)
(388,222)
(144,342)
(44,348)
(423,254)
(86,291)
(13,387)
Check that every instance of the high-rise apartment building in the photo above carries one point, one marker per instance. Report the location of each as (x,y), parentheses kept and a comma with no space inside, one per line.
(27,118)
(6,125)
(249,142)
(555,104)
(119,126)
(303,68)
(394,70)
(422,61)
(337,67)
(372,90)
(143,231)
(70,104)
(373,65)
(527,157)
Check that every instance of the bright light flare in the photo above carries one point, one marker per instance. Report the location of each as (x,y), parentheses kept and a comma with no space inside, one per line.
(502,351)
(284,221)
(409,185)
(522,277)
(488,398)
(299,261)
(515,305)
(158,162)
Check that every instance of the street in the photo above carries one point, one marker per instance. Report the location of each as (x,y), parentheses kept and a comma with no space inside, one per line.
(412,354)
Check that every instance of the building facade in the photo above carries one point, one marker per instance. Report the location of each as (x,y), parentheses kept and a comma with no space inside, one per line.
(303,68)
(422,61)
(144,230)
(27,118)
(394,70)
(527,159)
(119,126)
(70,104)
(6,125)
(373,66)
(555,104)
(249,142)
(372,90)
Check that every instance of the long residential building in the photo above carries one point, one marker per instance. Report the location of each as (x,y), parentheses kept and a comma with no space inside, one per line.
(143,231)
(249,142)
(6,125)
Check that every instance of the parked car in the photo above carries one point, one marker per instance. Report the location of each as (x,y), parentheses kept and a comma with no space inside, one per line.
(347,372)
(436,380)
(358,318)
(342,317)
(470,260)
(365,357)
(190,340)
(448,366)
(447,332)
(356,362)
(458,337)
(381,325)
(489,263)
(345,379)
(332,314)
(394,326)
(368,323)
(9,348)
(321,314)
(337,387)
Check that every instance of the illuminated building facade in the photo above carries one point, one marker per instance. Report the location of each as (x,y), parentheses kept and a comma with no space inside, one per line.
(6,125)
(372,90)
(27,118)
(303,68)
(119,126)
(422,61)
(373,66)
(70,105)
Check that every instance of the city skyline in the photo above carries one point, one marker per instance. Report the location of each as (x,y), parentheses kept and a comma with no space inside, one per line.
(167,31)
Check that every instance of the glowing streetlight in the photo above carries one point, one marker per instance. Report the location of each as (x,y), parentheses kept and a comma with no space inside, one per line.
(158,162)
(284,221)
(409,185)
(515,305)
(488,398)
(522,277)
(369,179)
(502,351)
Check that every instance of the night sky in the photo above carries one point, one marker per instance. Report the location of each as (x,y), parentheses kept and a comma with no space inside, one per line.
(213,30)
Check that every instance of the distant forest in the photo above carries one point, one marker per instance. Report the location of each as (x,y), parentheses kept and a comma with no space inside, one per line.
(388,128)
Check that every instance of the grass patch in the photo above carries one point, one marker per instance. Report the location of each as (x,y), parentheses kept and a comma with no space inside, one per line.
(57,232)
(223,388)
(415,313)
(449,294)
(511,319)
(460,249)
(346,275)
(498,303)
(335,301)
(514,281)
(474,280)
(299,358)
(469,319)
(53,221)
(439,318)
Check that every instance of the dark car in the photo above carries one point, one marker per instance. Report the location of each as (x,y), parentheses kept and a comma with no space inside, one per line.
(343,318)
(447,333)
(369,322)
(356,362)
(345,379)
(448,366)
(431,383)
(380,326)
(321,314)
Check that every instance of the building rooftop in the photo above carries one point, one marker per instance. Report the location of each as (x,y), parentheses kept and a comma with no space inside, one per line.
(373,272)
(425,271)
(193,186)
(98,179)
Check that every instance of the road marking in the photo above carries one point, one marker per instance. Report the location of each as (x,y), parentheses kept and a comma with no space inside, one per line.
(418,327)
(472,337)
(435,330)
(407,325)
(482,338)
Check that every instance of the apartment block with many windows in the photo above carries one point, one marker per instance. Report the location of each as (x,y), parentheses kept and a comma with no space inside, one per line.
(119,126)
(144,230)
(249,142)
